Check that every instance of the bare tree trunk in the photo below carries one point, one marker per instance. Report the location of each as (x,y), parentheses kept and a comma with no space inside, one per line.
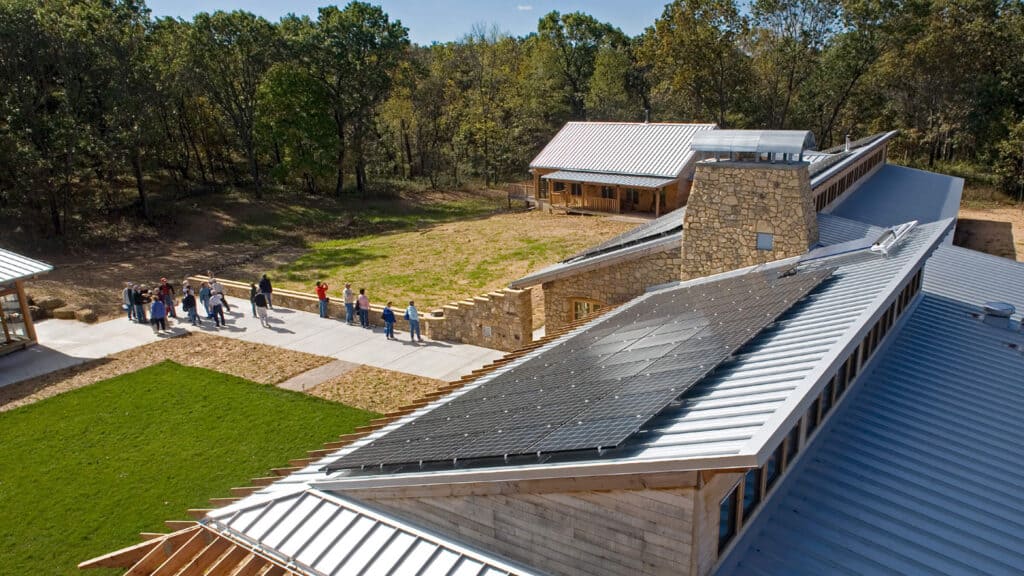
(339,185)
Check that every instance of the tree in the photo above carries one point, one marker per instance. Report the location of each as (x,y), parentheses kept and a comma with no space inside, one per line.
(572,42)
(694,65)
(353,53)
(230,54)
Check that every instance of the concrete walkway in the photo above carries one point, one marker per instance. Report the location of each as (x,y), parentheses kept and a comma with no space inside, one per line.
(65,343)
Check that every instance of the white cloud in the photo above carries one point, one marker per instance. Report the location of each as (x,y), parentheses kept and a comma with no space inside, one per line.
(524,7)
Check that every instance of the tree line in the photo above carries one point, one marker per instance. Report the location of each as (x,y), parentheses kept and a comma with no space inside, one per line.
(102,106)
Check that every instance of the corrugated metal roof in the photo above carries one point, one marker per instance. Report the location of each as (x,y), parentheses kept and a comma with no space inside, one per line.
(609,179)
(838,160)
(835,230)
(975,278)
(318,533)
(733,416)
(895,194)
(919,470)
(659,150)
(17,267)
(757,141)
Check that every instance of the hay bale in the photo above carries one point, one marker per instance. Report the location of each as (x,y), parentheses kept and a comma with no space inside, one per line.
(65,312)
(49,303)
(86,315)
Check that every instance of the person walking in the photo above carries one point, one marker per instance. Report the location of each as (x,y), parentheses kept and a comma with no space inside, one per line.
(388,315)
(217,309)
(350,303)
(321,296)
(413,316)
(188,304)
(259,303)
(158,315)
(204,297)
(128,300)
(252,298)
(140,297)
(217,288)
(267,289)
(363,305)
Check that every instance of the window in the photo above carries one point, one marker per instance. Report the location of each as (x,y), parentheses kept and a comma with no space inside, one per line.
(632,195)
(727,518)
(751,491)
(765,241)
(607,192)
(542,189)
(812,416)
(583,308)
(826,398)
(793,444)
(772,466)
(559,186)
(577,189)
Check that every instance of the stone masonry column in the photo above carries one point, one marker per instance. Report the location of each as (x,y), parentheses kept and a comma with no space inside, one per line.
(734,204)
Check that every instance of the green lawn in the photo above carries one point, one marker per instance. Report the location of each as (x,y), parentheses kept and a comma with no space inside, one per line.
(84,472)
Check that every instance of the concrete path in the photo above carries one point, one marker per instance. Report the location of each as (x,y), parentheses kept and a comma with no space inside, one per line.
(64,343)
(311,378)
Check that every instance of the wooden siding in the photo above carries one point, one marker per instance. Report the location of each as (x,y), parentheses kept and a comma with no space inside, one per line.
(602,533)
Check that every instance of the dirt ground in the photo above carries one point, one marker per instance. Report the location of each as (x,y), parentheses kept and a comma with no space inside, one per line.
(375,389)
(263,364)
(94,277)
(996,229)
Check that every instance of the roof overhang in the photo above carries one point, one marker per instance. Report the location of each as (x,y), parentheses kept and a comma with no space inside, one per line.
(754,141)
(626,180)
(14,267)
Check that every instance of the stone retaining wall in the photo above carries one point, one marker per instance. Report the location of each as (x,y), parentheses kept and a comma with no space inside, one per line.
(500,320)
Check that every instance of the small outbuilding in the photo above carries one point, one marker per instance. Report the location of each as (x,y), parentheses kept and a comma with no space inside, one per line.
(16,329)
(617,167)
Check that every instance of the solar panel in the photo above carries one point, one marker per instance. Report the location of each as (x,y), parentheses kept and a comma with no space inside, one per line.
(600,386)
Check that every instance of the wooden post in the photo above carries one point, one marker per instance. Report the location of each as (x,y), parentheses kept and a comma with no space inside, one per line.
(30,328)
(657,202)
(618,199)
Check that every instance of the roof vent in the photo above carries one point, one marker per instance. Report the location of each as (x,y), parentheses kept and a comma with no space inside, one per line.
(998,314)
(846,148)
(892,237)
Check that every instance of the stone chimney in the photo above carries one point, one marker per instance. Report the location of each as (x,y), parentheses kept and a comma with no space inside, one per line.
(745,212)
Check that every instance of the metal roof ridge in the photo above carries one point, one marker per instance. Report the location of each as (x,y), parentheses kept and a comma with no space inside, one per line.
(855,155)
(556,271)
(783,416)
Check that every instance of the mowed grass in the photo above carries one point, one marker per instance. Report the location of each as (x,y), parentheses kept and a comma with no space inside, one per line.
(84,472)
(438,263)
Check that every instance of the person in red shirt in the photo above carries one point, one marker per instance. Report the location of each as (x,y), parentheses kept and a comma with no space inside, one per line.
(321,295)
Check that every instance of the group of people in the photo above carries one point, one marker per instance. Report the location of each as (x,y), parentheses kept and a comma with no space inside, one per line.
(161,303)
(359,305)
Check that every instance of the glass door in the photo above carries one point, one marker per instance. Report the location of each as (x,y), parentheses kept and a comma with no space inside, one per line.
(12,322)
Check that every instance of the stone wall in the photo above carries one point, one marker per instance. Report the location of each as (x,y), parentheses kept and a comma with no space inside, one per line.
(612,284)
(501,320)
(732,202)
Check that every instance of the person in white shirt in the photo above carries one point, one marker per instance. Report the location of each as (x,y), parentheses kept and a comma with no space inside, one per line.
(413,316)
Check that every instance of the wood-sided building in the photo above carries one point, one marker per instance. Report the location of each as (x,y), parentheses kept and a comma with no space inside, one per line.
(617,167)
(16,329)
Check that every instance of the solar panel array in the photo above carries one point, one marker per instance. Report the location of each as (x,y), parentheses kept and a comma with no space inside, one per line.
(657,228)
(599,387)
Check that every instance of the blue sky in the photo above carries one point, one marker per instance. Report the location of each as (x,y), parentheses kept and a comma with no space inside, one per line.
(443,20)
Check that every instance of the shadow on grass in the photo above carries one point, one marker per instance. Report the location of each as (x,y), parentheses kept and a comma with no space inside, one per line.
(327,258)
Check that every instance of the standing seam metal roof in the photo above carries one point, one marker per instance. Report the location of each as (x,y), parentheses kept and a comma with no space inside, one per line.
(919,470)
(638,149)
(895,194)
(17,267)
(735,415)
(319,533)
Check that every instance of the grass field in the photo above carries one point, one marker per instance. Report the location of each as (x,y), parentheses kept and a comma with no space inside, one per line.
(84,472)
(439,263)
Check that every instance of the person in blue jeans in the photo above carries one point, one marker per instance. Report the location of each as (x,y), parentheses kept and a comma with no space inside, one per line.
(350,303)
(413,316)
(158,315)
(204,297)
(388,315)
(252,298)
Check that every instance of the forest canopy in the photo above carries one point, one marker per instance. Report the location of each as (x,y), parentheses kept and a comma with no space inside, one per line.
(103,106)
